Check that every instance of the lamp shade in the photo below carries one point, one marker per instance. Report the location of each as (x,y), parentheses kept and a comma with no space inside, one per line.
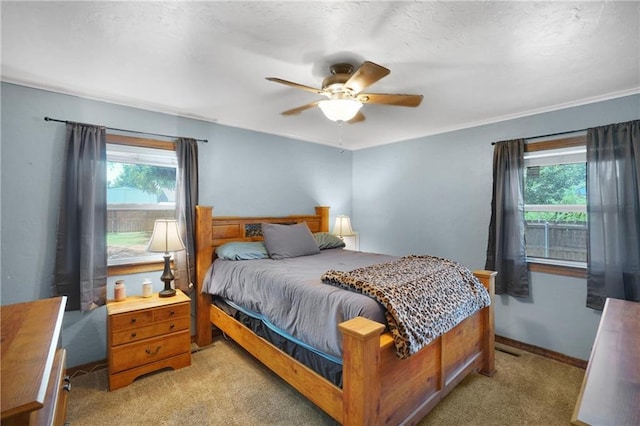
(342,227)
(165,237)
(340,109)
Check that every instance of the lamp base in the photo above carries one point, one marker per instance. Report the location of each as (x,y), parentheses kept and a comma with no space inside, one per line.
(167,293)
(167,277)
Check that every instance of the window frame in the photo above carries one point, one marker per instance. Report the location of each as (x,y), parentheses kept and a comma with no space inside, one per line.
(549,266)
(144,266)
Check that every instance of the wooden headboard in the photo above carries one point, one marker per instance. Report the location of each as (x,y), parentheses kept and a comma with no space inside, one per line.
(211,232)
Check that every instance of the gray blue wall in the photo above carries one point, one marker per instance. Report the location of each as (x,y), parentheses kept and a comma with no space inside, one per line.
(429,195)
(241,172)
(433,195)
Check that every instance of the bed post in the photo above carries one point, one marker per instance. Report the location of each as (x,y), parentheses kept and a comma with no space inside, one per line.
(488,279)
(323,212)
(204,256)
(361,371)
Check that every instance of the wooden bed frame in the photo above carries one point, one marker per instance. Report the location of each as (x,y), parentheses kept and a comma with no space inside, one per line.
(378,387)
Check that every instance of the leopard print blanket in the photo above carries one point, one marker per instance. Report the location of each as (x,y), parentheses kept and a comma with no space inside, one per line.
(424,296)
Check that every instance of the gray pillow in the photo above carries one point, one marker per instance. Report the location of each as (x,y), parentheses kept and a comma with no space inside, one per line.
(284,241)
(326,240)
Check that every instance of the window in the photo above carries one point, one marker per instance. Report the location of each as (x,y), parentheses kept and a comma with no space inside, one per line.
(141,183)
(555,197)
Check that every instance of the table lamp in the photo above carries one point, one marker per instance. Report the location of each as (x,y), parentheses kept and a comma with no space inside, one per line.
(165,239)
(342,227)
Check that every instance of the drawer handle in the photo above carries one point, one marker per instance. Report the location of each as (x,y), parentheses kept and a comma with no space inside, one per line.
(172,326)
(148,351)
(133,320)
(133,335)
(172,312)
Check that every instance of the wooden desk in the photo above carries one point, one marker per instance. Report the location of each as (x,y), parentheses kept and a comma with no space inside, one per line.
(610,392)
(34,387)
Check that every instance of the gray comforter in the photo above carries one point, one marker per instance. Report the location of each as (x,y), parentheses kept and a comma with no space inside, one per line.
(290,294)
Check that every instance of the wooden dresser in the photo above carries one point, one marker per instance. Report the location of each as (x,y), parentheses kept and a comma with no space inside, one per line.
(610,392)
(34,383)
(147,334)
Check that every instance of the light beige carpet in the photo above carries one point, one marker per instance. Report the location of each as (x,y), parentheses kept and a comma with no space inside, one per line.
(225,386)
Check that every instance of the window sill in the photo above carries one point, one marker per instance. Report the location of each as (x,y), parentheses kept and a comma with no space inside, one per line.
(544,267)
(134,268)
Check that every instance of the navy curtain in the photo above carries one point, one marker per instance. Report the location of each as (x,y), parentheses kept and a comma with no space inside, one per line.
(506,245)
(81,249)
(613,206)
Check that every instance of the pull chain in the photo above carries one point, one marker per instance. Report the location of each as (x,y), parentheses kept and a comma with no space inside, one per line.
(340,133)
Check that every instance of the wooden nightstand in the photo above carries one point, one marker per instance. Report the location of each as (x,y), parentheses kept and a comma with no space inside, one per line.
(145,335)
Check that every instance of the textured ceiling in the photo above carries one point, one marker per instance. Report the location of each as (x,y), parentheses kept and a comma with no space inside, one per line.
(474,62)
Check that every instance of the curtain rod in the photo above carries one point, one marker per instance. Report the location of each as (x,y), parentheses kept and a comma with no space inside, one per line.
(124,130)
(553,134)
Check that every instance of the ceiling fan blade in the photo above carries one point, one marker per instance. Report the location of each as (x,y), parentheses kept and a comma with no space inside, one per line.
(357,118)
(390,99)
(299,109)
(365,76)
(296,85)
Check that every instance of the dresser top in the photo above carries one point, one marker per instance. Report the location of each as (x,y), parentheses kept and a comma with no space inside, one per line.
(611,390)
(134,303)
(30,337)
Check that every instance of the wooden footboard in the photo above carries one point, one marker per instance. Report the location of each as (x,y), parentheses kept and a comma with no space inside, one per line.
(378,387)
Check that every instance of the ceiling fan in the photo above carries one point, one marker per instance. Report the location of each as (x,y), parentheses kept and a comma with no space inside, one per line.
(344,87)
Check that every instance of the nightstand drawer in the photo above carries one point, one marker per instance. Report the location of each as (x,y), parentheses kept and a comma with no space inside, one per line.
(131,319)
(151,330)
(172,311)
(148,351)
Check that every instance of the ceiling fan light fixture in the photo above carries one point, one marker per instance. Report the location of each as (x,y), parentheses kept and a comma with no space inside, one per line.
(340,109)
